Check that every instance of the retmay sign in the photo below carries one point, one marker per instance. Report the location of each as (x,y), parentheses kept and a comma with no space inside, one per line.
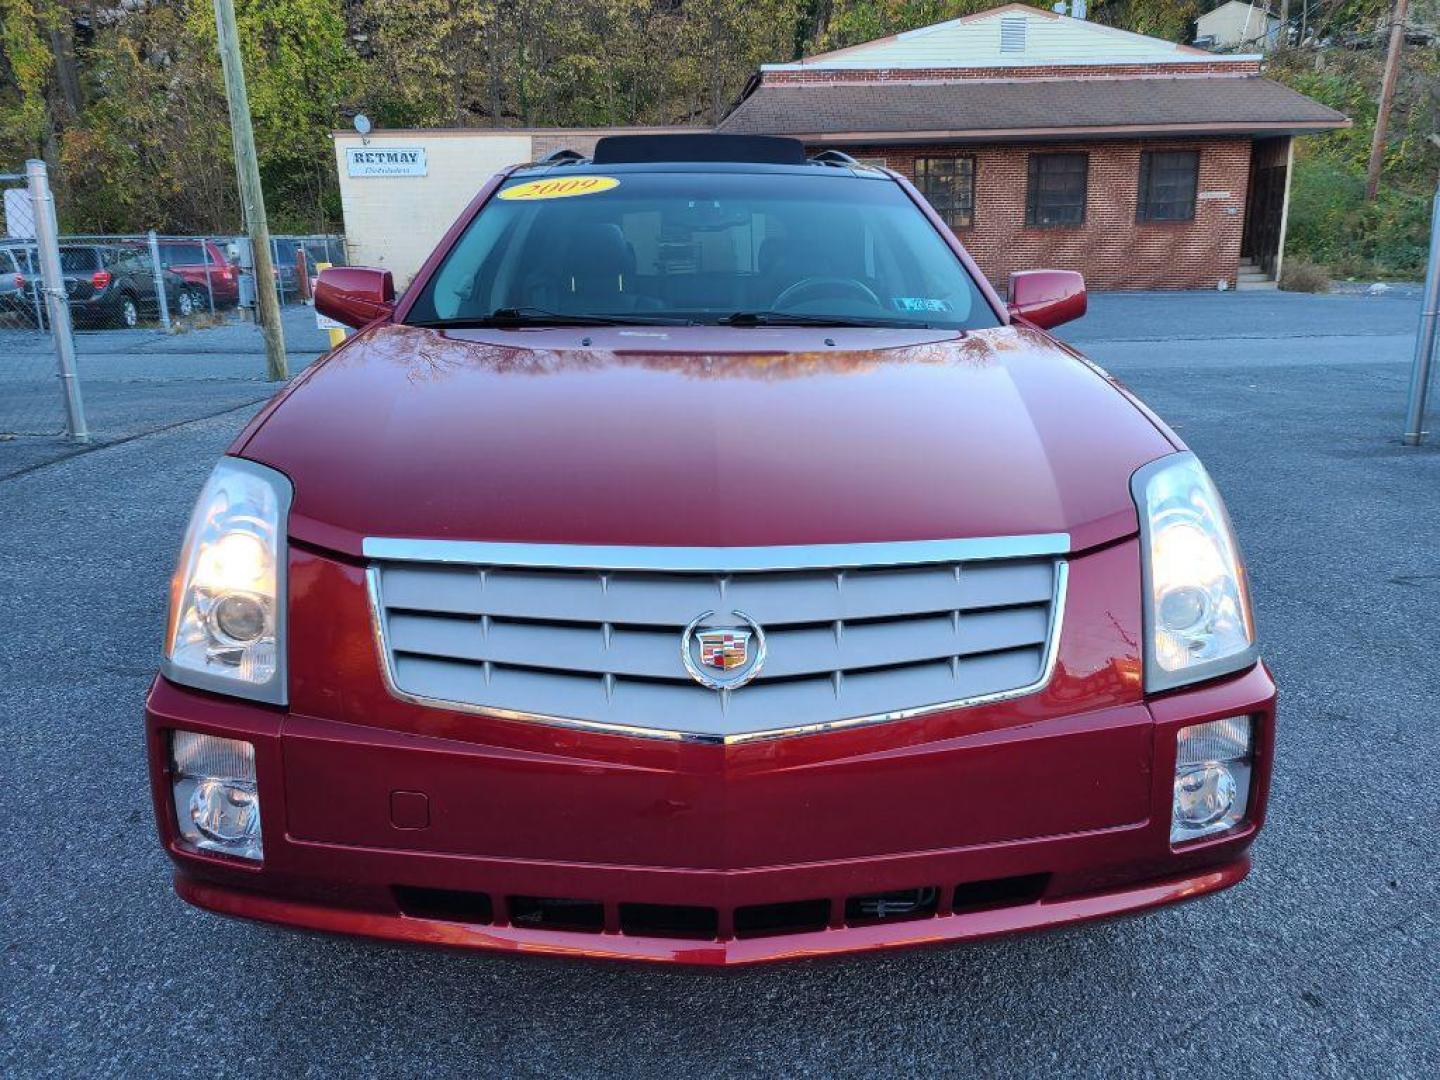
(389,161)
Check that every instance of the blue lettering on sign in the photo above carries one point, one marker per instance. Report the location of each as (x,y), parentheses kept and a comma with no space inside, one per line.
(377,161)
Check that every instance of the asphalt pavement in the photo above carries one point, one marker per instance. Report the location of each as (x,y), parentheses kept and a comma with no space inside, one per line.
(135,382)
(1326,961)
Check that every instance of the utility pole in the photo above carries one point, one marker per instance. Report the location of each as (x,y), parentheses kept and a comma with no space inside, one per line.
(1387,93)
(1425,339)
(252,197)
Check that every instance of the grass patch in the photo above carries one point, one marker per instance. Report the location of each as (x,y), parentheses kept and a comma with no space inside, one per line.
(1301,275)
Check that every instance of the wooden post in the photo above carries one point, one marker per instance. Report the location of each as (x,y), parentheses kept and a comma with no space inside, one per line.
(252,197)
(1285,207)
(1387,94)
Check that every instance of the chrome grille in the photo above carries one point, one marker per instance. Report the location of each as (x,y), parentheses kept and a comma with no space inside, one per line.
(592,636)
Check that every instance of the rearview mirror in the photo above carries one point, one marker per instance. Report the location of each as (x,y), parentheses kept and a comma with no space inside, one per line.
(1047,298)
(355,295)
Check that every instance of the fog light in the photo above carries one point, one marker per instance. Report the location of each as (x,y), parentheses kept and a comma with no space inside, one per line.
(217,805)
(1212,778)
(1203,795)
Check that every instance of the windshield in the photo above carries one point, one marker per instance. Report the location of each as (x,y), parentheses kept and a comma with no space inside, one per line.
(743,248)
(182,254)
(79,260)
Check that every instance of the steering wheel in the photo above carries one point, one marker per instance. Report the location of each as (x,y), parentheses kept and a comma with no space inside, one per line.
(818,286)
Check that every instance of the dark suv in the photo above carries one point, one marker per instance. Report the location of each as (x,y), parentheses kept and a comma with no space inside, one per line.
(114,285)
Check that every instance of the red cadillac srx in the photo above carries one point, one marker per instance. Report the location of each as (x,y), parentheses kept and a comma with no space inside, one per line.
(700,562)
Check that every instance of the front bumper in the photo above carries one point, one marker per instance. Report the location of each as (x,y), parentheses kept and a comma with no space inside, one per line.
(762,849)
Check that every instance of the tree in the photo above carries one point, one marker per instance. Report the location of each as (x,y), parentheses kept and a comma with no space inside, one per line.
(25,63)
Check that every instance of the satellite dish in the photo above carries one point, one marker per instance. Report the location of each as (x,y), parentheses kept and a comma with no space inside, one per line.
(362,124)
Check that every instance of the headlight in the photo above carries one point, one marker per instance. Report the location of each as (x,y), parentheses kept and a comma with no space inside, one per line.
(1197,606)
(227,600)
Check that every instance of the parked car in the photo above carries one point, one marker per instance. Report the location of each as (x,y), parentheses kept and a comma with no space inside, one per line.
(287,277)
(201,266)
(103,287)
(17,293)
(113,285)
(702,563)
(287,265)
(109,284)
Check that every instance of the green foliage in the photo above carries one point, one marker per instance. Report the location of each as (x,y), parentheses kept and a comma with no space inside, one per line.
(1331,224)
(25,64)
(150,146)
(554,62)
(135,158)
(1168,19)
(1330,221)
(851,22)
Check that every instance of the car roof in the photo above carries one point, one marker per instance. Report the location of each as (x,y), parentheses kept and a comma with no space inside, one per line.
(701,152)
(585,167)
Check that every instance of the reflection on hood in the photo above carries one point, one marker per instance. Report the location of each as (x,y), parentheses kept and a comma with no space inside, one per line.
(434,355)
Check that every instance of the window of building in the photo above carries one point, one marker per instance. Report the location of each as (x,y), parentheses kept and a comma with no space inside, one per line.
(948,185)
(1056,194)
(1168,180)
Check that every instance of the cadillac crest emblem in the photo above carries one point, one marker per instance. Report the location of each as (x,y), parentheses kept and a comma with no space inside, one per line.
(723,657)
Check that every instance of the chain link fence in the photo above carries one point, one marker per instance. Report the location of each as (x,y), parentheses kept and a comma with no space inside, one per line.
(107,288)
(117,282)
(29,401)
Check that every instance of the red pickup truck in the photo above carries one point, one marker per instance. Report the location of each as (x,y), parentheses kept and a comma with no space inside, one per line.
(701,563)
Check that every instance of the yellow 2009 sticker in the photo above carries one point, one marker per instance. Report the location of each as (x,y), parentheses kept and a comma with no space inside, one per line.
(562,187)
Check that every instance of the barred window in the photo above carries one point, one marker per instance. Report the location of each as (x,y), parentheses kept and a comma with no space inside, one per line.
(1168,179)
(948,184)
(1056,193)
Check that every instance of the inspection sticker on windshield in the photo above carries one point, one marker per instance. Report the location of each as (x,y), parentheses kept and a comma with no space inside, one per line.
(561,188)
(919,303)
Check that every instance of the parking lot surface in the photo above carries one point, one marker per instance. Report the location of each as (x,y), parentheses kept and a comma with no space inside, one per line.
(1323,962)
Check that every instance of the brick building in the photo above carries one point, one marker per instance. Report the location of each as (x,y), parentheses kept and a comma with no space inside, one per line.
(1051,141)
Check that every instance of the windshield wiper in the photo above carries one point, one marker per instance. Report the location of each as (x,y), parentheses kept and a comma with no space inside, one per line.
(533,316)
(791,318)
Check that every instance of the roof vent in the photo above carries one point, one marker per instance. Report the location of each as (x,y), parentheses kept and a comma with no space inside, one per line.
(1012,33)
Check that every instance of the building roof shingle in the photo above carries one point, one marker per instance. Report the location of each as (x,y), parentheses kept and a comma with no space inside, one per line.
(1026,108)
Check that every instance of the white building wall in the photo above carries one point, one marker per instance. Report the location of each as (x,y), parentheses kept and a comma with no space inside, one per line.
(1235,24)
(975,41)
(395,221)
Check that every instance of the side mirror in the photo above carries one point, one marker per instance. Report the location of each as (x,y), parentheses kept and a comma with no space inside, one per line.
(355,295)
(1047,298)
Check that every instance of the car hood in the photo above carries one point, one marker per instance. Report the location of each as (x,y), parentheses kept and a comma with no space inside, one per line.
(704,436)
